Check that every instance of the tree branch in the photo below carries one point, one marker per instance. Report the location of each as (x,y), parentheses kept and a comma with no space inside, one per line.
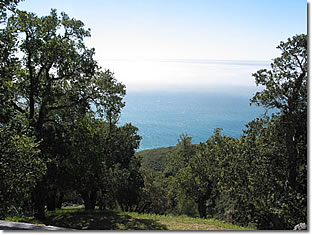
(63,76)
(299,62)
(18,108)
(61,107)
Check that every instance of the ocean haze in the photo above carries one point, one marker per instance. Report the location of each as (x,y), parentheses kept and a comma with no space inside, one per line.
(191,75)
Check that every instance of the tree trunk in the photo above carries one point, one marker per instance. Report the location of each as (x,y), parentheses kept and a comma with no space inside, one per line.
(51,201)
(89,199)
(291,127)
(39,201)
(201,205)
(60,200)
(292,157)
(93,195)
(210,208)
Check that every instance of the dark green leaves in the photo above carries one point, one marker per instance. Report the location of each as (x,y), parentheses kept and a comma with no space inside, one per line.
(286,83)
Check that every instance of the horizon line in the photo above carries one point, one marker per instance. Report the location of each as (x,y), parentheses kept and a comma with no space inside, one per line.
(194,61)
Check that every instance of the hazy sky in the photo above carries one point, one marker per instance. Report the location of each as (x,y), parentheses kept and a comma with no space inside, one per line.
(181,29)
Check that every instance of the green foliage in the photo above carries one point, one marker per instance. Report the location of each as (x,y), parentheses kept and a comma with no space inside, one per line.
(50,80)
(155,159)
(56,68)
(154,198)
(102,159)
(86,162)
(180,158)
(127,185)
(185,206)
(6,5)
(109,100)
(286,89)
(262,171)
(21,167)
(286,83)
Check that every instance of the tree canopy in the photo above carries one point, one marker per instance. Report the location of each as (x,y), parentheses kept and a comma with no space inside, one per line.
(66,108)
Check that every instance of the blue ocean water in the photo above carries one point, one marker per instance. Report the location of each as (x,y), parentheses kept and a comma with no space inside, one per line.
(163,116)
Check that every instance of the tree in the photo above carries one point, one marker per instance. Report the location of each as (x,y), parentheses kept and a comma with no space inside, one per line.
(180,158)
(128,180)
(50,80)
(54,73)
(208,167)
(55,144)
(21,165)
(128,183)
(8,66)
(192,172)
(53,76)
(113,91)
(154,198)
(21,168)
(95,165)
(254,176)
(7,5)
(268,176)
(87,161)
(256,179)
(286,90)
(79,135)
(56,67)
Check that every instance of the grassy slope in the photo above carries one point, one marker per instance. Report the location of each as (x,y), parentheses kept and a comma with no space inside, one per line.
(78,218)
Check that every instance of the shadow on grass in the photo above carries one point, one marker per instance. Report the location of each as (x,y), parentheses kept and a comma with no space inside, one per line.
(99,220)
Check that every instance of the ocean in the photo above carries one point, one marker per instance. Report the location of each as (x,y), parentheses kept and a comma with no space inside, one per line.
(163,116)
(167,98)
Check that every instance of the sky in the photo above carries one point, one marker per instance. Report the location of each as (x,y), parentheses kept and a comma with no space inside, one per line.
(146,42)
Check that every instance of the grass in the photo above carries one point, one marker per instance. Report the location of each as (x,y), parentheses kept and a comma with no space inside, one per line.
(188,223)
(78,218)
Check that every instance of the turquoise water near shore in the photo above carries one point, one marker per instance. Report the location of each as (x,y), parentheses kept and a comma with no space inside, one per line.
(163,116)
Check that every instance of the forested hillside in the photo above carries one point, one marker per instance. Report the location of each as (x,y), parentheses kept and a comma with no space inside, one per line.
(61,142)
(155,159)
